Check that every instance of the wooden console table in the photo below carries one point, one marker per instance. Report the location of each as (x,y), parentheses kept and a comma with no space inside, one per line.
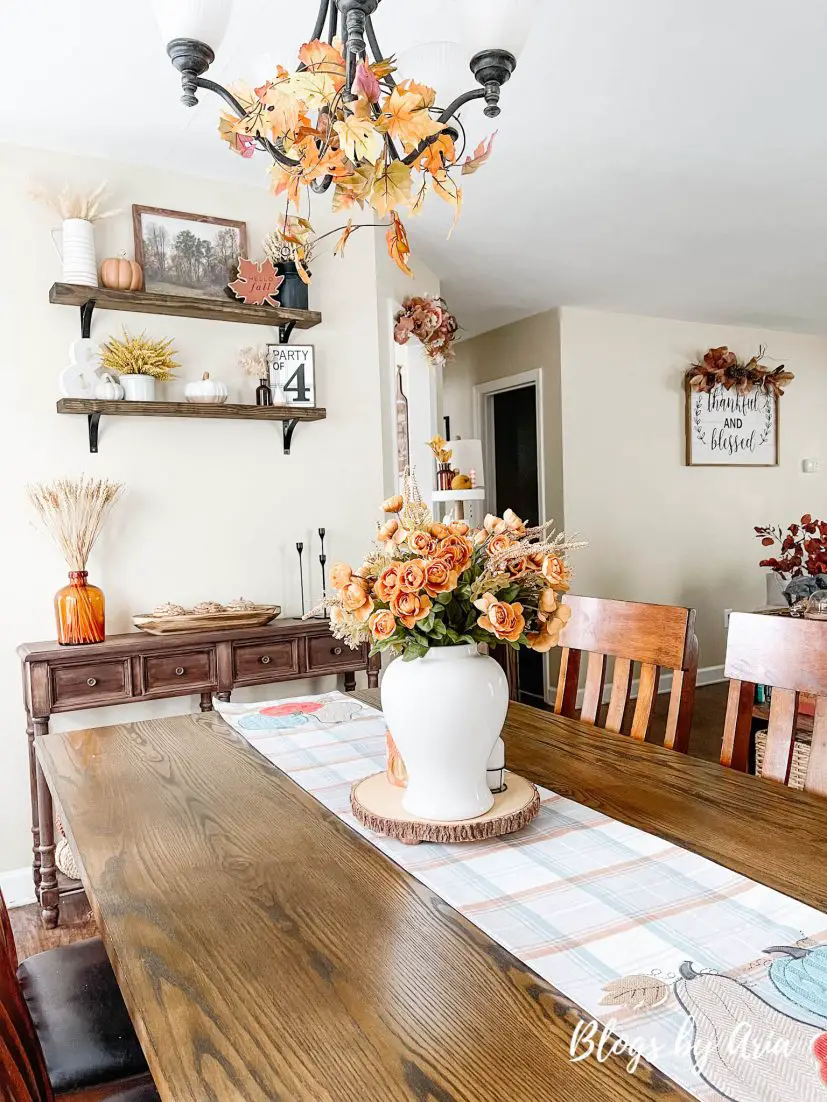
(126,669)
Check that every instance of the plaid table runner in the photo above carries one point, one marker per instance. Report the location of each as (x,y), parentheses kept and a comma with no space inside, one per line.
(662,947)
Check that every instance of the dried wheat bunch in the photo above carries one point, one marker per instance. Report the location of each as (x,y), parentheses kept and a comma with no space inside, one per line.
(140,355)
(73,511)
(75,204)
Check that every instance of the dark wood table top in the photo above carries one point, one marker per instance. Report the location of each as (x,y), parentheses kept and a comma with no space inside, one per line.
(268,952)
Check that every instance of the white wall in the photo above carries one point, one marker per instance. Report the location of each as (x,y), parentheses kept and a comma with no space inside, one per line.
(214,509)
(659,530)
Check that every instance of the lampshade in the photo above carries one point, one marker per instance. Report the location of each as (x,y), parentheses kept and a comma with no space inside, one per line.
(440,65)
(204,20)
(495,24)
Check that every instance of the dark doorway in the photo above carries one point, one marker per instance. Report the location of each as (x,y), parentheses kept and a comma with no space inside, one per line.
(517,485)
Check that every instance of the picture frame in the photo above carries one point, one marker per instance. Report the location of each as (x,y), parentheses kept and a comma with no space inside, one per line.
(727,429)
(293,371)
(199,265)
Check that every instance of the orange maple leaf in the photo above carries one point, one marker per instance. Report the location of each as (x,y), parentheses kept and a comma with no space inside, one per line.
(322,57)
(481,155)
(398,248)
(339,249)
(440,154)
(257,284)
(405,116)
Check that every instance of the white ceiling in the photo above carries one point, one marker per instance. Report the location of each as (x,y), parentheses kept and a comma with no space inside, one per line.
(654,156)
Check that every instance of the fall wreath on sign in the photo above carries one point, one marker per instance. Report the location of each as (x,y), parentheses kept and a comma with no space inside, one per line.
(720,367)
(428,318)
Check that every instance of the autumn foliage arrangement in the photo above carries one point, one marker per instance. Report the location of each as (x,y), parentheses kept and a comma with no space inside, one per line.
(802,547)
(383,149)
(426,584)
(720,367)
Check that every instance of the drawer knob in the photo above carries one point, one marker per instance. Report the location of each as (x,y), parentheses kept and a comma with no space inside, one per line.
(265,660)
(179,671)
(91,682)
(336,650)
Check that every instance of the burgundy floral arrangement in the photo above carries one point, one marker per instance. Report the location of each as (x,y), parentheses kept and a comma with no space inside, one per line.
(803,547)
(720,367)
(428,318)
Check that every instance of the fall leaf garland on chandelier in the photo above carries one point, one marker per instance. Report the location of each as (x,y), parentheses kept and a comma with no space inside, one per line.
(367,144)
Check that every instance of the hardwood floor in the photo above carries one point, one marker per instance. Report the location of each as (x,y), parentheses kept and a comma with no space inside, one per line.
(76,921)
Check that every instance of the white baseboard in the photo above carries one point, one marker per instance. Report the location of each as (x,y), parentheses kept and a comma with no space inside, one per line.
(18,887)
(707,675)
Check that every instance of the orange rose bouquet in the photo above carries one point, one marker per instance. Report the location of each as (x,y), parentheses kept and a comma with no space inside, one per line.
(427,584)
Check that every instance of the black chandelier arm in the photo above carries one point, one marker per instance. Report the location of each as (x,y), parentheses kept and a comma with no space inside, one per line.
(374,49)
(321,18)
(333,24)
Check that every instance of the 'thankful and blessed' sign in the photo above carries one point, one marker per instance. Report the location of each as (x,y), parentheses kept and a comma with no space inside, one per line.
(725,428)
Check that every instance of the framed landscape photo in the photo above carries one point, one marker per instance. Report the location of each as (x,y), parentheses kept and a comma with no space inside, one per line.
(725,428)
(187,254)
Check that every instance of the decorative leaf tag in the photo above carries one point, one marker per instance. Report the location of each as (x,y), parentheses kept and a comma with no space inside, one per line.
(636,993)
(256,284)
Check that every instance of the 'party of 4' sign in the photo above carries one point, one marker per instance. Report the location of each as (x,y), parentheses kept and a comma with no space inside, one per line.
(727,429)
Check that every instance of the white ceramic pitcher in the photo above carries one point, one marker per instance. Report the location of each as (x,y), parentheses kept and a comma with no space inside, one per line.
(77,251)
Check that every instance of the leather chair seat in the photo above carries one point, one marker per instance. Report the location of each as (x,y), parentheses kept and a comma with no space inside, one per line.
(81,1020)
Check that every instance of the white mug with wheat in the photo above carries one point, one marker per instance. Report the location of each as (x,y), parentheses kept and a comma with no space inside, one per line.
(77,251)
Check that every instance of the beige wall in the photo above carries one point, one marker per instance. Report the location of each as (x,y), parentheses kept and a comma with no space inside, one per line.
(614,416)
(214,509)
(529,345)
(659,530)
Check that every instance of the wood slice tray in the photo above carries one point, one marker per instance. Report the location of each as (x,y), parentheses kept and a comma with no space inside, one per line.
(207,621)
(377,804)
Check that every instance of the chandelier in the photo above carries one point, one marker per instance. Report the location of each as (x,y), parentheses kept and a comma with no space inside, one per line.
(339,119)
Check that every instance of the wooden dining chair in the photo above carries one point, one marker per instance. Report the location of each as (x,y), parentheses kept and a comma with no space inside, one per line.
(790,656)
(654,636)
(64,1029)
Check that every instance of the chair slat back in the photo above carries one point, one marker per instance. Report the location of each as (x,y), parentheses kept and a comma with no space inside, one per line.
(653,636)
(7,946)
(23,1076)
(790,656)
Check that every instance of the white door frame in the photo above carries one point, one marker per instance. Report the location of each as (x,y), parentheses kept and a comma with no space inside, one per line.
(483,430)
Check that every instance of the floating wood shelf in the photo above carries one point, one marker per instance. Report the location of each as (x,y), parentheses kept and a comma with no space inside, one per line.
(94,409)
(213,309)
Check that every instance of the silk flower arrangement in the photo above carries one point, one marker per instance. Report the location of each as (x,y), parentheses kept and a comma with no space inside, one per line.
(347,141)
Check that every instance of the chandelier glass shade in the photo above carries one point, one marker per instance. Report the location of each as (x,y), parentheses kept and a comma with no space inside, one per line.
(338,119)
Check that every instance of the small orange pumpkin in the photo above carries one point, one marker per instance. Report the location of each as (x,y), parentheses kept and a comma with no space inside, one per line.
(119,274)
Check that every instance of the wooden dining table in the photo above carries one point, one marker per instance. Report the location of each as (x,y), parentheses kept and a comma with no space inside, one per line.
(267,951)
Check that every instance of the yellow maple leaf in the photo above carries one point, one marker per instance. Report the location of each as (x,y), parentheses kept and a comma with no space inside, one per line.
(404,117)
(359,139)
(315,89)
(391,188)
(446,188)
(283,106)
(354,189)
(418,201)
(398,248)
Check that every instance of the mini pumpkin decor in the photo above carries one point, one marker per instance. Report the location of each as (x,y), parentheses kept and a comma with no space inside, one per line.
(206,390)
(721,1009)
(108,389)
(801,976)
(119,274)
(460,482)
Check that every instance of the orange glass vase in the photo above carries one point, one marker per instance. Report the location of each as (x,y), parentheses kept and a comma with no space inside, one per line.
(80,611)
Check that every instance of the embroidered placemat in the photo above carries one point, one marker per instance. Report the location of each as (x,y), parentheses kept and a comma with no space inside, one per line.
(663,947)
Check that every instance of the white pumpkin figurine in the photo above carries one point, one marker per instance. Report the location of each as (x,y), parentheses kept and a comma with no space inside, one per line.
(108,389)
(206,390)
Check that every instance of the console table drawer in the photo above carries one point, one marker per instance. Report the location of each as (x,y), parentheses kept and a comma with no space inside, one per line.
(326,653)
(183,670)
(92,683)
(262,662)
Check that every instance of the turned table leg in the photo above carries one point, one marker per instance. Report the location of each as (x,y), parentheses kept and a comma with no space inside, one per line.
(374,666)
(35,815)
(350,682)
(206,702)
(49,895)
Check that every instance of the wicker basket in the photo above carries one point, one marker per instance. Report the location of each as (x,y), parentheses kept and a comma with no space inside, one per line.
(801,756)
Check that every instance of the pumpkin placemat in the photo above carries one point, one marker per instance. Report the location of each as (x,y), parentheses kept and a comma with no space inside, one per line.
(716,980)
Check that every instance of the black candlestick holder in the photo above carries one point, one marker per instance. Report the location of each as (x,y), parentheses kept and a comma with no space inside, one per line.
(300,549)
(322,562)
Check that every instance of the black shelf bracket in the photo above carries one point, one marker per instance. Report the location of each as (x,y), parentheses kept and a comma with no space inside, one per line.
(285,331)
(289,427)
(86,312)
(94,421)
